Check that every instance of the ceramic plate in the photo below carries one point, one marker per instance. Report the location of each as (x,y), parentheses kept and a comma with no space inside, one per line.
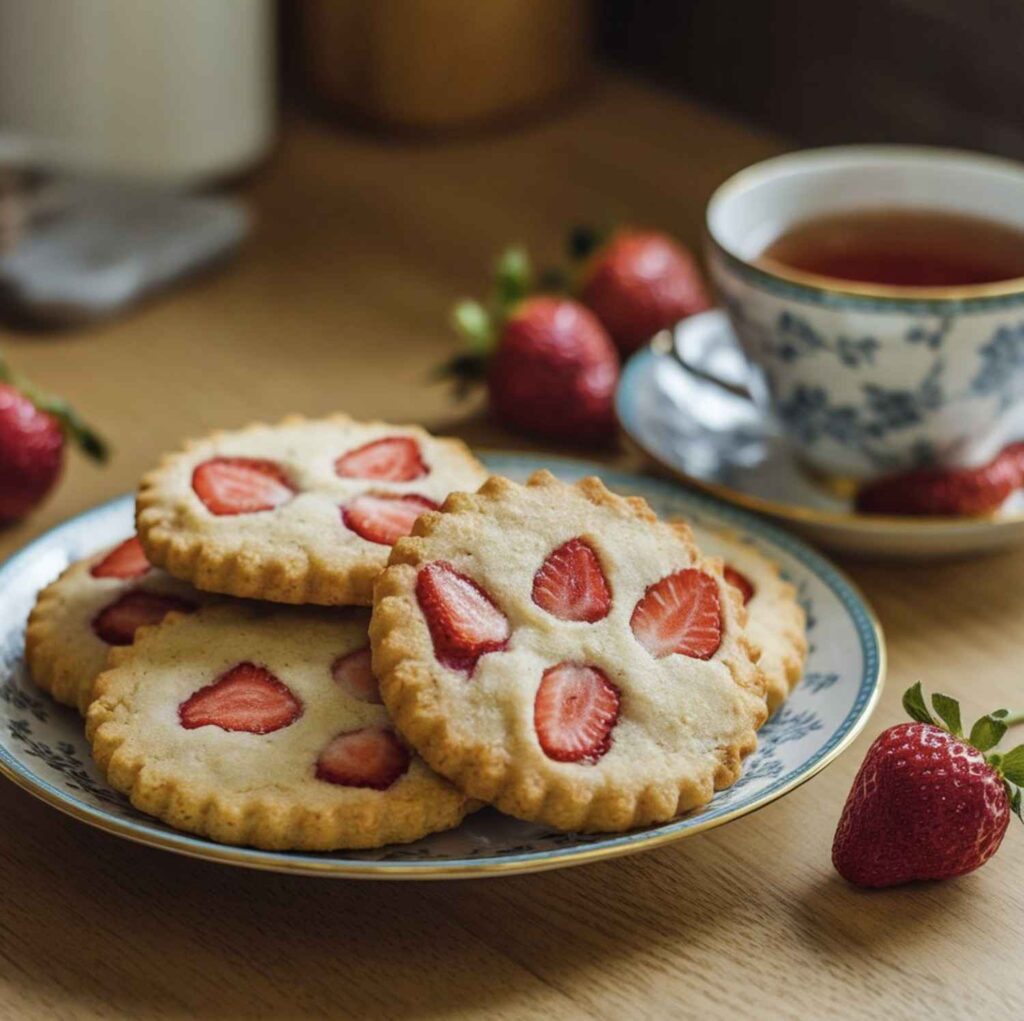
(42,747)
(719,441)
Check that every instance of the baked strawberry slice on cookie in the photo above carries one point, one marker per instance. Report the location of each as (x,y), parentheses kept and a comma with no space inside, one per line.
(247,697)
(391,459)
(557,651)
(125,561)
(117,623)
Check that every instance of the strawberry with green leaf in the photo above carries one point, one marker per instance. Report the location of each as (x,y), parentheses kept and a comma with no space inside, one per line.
(33,429)
(549,365)
(929,803)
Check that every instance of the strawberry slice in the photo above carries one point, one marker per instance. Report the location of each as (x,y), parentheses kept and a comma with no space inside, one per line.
(354,673)
(384,519)
(241,485)
(247,698)
(125,561)
(574,713)
(394,459)
(739,580)
(370,757)
(117,623)
(570,584)
(463,620)
(680,613)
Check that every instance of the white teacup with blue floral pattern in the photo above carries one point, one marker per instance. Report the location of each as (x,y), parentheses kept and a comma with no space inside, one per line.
(870,379)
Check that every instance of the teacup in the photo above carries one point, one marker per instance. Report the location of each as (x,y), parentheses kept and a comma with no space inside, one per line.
(868,379)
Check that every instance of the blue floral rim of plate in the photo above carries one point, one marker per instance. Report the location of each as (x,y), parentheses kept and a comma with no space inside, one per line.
(559,849)
(838,298)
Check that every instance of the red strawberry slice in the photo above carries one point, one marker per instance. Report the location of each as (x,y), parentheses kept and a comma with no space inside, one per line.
(384,519)
(739,580)
(574,713)
(125,561)
(463,620)
(570,584)
(354,673)
(394,459)
(370,757)
(680,613)
(247,698)
(241,485)
(117,623)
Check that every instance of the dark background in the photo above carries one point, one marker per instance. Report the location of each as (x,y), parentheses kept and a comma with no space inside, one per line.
(948,72)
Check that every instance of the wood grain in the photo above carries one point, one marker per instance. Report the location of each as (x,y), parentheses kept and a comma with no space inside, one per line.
(340,302)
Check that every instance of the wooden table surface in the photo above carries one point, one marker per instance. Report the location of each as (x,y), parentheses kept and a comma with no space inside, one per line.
(340,302)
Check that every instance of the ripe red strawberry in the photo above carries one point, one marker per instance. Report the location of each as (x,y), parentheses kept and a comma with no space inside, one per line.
(550,366)
(570,584)
(371,757)
(394,459)
(241,485)
(33,429)
(125,561)
(464,623)
(117,623)
(637,283)
(1013,454)
(247,698)
(574,713)
(383,518)
(354,673)
(739,580)
(680,613)
(951,492)
(927,804)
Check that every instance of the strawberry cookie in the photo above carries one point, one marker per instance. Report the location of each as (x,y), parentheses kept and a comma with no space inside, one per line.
(556,650)
(775,620)
(305,511)
(262,726)
(94,605)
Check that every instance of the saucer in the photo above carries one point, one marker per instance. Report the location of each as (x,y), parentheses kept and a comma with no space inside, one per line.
(714,437)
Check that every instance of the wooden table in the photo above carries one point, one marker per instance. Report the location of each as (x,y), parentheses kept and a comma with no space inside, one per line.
(340,301)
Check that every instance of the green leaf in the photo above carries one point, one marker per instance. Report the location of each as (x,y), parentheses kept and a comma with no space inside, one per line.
(1000,714)
(913,705)
(470,318)
(987,733)
(949,712)
(513,278)
(1013,793)
(1012,765)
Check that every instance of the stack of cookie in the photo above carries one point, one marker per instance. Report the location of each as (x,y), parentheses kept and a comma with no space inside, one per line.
(553,650)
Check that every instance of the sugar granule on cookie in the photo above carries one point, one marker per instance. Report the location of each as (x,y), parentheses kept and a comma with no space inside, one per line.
(96,604)
(557,651)
(305,511)
(261,725)
(775,619)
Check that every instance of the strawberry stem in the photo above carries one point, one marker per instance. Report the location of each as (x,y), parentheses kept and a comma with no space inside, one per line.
(74,427)
(1014,719)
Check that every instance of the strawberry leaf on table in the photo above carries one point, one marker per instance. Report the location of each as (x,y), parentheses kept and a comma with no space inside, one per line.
(1012,765)
(948,710)
(987,732)
(914,705)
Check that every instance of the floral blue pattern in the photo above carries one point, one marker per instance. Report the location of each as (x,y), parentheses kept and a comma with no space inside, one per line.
(42,746)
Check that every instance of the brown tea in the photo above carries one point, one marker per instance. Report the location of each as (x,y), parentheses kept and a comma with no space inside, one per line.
(903,248)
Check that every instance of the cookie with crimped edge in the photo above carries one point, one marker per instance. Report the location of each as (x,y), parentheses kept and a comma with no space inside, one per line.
(305,511)
(96,604)
(557,651)
(259,725)
(775,619)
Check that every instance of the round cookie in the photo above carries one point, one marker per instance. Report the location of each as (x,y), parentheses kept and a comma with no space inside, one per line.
(775,620)
(305,511)
(262,725)
(559,652)
(97,603)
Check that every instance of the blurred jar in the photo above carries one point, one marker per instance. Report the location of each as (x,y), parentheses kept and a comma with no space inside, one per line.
(175,91)
(444,64)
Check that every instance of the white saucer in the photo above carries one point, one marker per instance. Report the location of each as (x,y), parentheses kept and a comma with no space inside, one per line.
(723,443)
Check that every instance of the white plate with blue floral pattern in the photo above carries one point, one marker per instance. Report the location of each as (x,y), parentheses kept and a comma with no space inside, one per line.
(42,747)
(719,440)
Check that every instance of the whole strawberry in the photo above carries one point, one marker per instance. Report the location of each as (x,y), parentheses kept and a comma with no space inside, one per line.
(33,428)
(637,283)
(951,492)
(550,366)
(927,804)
